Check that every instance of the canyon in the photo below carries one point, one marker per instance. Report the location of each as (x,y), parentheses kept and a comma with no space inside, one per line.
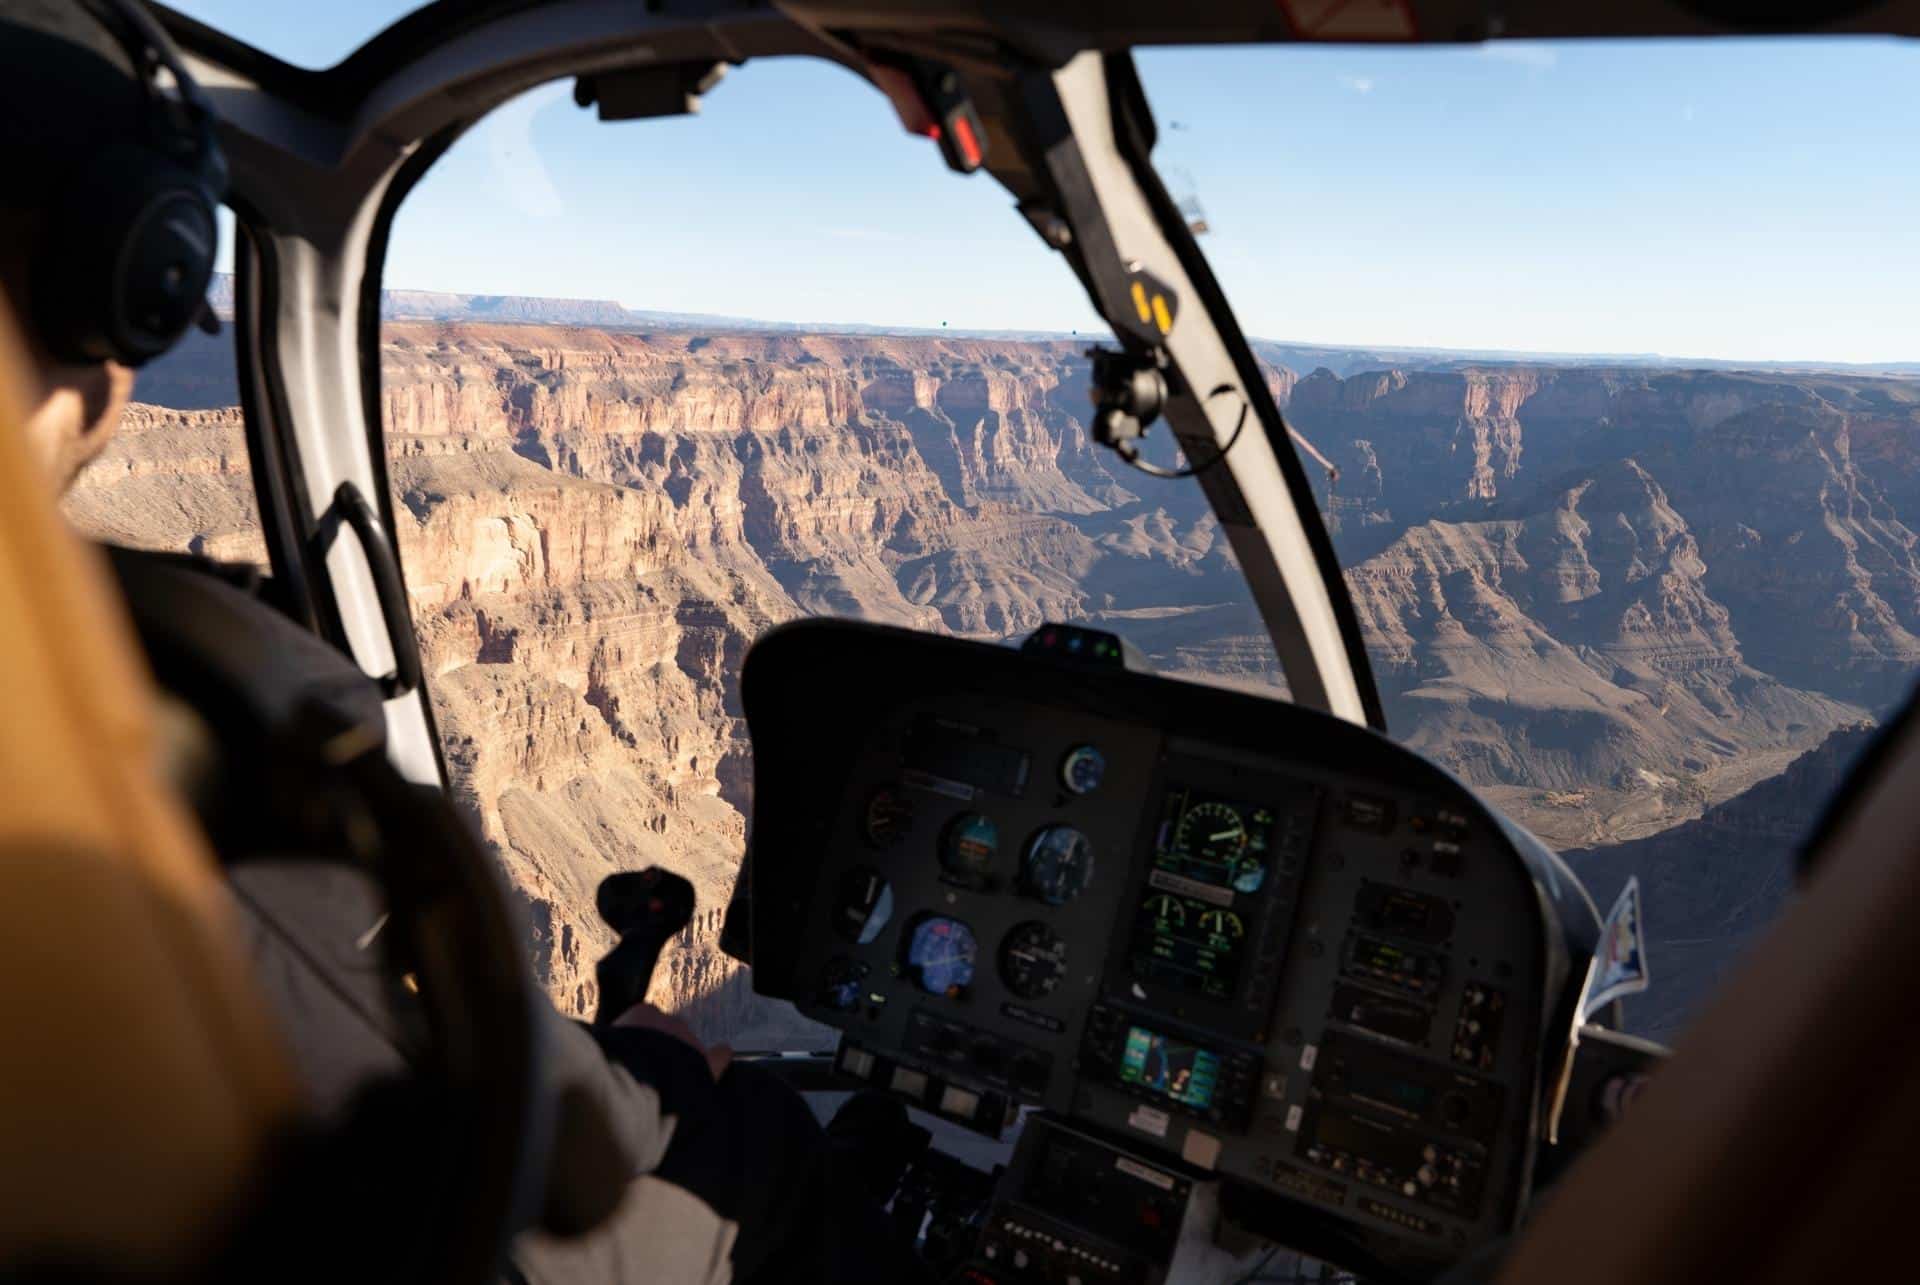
(1621,601)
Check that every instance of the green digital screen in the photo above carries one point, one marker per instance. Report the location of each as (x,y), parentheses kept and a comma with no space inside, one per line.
(1183,1073)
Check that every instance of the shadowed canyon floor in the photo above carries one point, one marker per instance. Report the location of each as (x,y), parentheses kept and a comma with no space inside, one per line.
(1613,599)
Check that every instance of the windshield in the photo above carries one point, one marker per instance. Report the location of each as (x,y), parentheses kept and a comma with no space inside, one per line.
(313,36)
(846,383)
(1611,347)
(1601,358)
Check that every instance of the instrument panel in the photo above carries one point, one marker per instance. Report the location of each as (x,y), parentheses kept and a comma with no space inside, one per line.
(1259,941)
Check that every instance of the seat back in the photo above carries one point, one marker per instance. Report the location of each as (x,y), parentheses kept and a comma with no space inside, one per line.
(141,1078)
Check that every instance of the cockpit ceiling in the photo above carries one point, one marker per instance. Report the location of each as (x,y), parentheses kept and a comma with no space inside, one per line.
(277,31)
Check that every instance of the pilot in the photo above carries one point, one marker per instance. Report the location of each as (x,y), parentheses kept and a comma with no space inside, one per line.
(738,1181)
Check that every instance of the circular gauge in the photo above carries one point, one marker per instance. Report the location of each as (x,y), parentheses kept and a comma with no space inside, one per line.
(864,906)
(1213,836)
(967,845)
(1222,923)
(842,982)
(889,817)
(1033,959)
(1082,769)
(1059,864)
(940,955)
(1166,909)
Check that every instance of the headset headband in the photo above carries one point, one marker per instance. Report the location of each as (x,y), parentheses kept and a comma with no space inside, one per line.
(187,110)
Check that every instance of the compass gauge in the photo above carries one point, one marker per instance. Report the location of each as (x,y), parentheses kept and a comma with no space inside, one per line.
(940,956)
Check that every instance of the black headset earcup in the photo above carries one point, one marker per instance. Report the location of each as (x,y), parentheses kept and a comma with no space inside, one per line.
(125,266)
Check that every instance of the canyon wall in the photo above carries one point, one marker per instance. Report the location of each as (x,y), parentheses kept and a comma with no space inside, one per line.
(1613,599)
(1710,886)
(1612,595)
(596,525)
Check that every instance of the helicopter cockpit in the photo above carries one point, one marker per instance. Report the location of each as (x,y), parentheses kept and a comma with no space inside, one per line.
(1174,976)
(1224,941)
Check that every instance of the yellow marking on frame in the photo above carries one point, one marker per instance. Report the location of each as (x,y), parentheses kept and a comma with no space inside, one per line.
(1162,316)
(1140,303)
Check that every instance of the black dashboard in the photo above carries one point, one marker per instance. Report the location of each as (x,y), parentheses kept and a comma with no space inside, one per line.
(1254,942)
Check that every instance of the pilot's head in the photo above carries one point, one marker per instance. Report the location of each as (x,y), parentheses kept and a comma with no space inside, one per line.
(76,148)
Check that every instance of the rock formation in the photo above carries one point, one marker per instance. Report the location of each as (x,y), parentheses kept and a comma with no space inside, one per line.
(1612,598)
(1614,595)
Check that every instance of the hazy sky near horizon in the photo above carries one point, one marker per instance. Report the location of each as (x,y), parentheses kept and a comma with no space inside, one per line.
(1747,199)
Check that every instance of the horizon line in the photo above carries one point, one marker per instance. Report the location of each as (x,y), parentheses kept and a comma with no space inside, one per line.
(762,325)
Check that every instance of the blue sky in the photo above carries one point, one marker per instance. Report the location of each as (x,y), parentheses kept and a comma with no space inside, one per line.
(1740,199)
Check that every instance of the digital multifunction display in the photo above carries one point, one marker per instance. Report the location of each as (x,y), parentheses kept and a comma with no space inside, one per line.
(1188,943)
(1183,1073)
(1214,1082)
(1220,842)
(1210,855)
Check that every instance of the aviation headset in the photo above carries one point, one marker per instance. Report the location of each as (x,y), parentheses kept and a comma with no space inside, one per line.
(132,232)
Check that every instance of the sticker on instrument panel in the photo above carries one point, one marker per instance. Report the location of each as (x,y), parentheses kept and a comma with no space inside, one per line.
(1149,1120)
(1308,1056)
(1293,1118)
(1620,967)
(1144,1174)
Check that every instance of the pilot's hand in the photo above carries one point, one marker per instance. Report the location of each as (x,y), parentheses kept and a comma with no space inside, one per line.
(646,1015)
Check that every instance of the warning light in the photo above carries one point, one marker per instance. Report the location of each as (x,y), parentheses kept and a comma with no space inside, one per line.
(967,141)
(1077,645)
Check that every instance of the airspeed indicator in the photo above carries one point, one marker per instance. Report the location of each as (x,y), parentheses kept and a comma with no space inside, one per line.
(1213,838)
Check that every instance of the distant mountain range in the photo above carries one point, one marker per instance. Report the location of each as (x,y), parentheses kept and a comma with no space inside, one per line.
(1302,357)
(441,305)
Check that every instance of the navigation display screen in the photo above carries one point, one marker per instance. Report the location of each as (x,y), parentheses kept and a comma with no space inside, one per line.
(1180,1072)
